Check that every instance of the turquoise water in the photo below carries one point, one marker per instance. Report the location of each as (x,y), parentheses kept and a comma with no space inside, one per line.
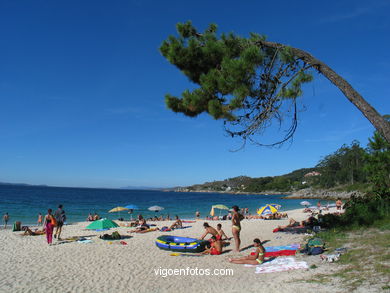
(23,203)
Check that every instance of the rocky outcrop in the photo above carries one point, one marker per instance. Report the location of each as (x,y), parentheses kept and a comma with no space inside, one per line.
(323,194)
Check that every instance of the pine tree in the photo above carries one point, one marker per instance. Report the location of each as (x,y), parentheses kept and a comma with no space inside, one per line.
(249,83)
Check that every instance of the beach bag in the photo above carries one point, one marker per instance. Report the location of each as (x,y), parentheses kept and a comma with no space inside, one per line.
(53,221)
(17,226)
(314,246)
(115,235)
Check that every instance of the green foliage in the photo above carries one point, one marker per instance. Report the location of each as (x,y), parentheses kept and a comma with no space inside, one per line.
(240,81)
(378,163)
(345,166)
(360,211)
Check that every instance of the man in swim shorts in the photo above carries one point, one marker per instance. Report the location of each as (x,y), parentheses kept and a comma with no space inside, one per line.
(209,230)
(60,217)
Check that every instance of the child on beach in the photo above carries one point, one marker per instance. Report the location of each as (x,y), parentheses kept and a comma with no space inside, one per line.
(254,258)
(215,248)
(39,219)
(221,232)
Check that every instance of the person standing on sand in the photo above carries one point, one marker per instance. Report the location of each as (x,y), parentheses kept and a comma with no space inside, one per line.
(236,227)
(39,223)
(60,218)
(49,226)
(5,219)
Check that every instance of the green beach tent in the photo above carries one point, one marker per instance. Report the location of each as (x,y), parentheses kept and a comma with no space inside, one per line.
(102,224)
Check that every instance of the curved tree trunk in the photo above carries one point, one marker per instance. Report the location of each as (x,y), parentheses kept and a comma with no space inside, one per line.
(352,95)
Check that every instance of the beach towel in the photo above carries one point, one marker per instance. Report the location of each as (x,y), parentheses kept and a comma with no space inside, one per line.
(280,265)
(274,251)
(84,241)
(282,247)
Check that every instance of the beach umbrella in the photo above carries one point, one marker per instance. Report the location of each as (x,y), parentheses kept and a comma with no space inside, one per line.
(275,205)
(305,203)
(131,208)
(267,209)
(102,224)
(118,210)
(218,206)
(155,208)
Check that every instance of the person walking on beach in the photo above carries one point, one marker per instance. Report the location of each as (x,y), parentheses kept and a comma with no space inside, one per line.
(236,227)
(60,218)
(49,227)
(39,223)
(5,219)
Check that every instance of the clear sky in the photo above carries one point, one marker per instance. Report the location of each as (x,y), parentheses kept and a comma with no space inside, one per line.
(82,87)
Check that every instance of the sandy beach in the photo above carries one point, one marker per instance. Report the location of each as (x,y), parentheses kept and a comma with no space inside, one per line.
(29,264)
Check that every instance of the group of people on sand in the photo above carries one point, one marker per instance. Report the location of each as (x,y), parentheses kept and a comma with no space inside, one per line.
(54,221)
(93,217)
(218,236)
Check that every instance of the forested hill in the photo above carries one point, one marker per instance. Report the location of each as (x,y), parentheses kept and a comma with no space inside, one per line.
(261,184)
(349,168)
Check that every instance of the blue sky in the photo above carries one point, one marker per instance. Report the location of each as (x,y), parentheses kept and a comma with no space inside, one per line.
(82,87)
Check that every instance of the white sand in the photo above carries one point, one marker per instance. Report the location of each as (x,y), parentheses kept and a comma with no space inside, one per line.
(30,265)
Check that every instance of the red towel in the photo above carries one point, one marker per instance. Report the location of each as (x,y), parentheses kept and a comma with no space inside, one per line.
(280,253)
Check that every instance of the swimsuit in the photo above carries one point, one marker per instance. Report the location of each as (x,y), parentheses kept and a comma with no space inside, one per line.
(214,251)
(238,228)
(258,259)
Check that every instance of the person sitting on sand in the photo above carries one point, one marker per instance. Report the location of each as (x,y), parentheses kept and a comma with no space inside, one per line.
(221,233)
(255,258)
(96,217)
(215,248)
(90,217)
(143,225)
(209,230)
(177,224)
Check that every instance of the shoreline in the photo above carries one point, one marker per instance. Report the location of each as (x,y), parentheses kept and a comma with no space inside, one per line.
(307,193)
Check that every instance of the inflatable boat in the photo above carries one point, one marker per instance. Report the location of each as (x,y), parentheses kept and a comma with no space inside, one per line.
(180,244)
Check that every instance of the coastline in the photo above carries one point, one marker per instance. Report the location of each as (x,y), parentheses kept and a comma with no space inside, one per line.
(307,193)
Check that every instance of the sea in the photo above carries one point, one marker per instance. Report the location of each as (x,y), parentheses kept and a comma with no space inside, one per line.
(23,203)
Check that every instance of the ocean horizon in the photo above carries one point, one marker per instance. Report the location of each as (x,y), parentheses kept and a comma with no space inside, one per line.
(23,203)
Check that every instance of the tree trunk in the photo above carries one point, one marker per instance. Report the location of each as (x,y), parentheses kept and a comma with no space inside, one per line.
(351,94)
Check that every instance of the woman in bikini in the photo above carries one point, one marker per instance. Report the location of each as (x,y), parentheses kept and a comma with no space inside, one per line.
(236,227)
(255,258)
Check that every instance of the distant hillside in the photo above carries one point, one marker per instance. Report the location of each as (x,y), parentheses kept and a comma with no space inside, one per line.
(289,182)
